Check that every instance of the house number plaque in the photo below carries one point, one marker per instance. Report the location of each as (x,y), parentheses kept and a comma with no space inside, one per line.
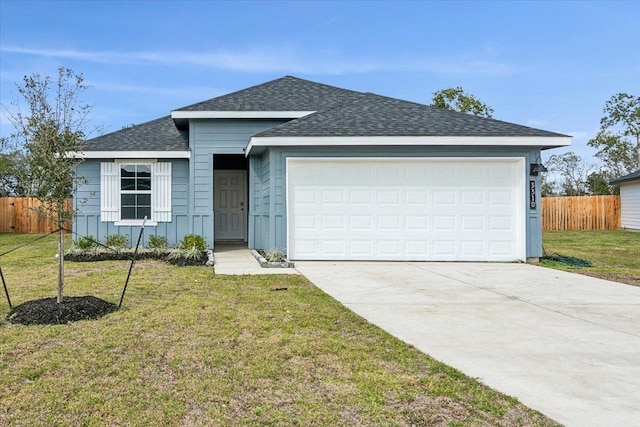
(532,194)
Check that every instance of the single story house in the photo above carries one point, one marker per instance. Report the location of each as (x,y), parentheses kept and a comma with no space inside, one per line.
(629,200)
(322,173)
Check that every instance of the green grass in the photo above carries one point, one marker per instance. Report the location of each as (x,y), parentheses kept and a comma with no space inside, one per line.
(192,348)
(615,254)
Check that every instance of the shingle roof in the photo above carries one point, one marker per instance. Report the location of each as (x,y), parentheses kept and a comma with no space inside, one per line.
(156,135)
(338,112)
(374,115)
(634,176)
(284,94)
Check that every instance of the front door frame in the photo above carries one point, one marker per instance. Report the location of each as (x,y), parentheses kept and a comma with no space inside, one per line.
(242,235)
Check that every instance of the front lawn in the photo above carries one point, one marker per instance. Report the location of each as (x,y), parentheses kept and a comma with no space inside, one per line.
(615,254)
(190,348)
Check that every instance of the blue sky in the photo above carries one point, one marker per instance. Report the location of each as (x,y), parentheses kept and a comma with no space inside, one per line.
(550,65)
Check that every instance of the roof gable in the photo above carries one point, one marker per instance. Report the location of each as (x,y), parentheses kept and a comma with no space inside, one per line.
(284,94)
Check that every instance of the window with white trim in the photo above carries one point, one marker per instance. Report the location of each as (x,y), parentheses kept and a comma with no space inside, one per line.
(133,189)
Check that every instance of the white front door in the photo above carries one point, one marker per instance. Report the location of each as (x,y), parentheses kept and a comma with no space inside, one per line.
(230,210)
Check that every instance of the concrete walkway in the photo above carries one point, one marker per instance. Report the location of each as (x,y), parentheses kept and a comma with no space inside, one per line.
(235,259)
(564,344)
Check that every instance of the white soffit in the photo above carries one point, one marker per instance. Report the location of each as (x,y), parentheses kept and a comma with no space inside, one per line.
(506,141)
(133,154)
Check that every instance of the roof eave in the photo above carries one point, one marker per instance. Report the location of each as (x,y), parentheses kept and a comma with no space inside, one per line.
(257,143)
(624,181)
(176,154)
(180,115)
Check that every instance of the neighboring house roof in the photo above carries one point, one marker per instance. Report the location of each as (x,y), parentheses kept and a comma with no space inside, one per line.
(284,94)
(156,135)
(374,115)
(634,176)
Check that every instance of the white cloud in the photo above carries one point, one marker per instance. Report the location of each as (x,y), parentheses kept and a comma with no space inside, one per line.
(181,92)
(271,59)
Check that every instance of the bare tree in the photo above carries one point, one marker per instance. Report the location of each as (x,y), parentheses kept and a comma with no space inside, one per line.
(570,173)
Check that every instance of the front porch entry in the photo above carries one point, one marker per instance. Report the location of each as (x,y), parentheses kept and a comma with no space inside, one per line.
(230,205)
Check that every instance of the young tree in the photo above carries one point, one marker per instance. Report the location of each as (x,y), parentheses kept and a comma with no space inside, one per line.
(456,99)
(618,140)
(49,130)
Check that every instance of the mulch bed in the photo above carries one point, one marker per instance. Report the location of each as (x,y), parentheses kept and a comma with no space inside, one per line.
(48,312)
(126,256)
(264,255)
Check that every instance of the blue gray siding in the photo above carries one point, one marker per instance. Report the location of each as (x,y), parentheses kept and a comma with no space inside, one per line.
(87,205)
(209,137)
(268,217)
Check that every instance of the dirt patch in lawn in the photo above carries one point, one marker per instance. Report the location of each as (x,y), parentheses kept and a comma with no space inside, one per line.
(622,278)
(48,312)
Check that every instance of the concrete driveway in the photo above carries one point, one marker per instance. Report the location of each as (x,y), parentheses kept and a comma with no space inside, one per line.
(564,344)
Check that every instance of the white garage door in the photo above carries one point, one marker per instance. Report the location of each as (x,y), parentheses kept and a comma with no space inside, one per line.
(406,209)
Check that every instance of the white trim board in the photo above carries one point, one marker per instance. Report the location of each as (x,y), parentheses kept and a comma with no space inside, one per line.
(336,141)
(239,114)
(133,154)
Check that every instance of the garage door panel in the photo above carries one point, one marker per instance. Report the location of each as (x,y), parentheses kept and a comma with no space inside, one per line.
(361,222)
(472,222)
(361,197)
(417,222)
(303,196)
(459,210)
(501,223)
(500,247)
(332,197)
(414,197)
(360,247)
(500,198)
(473,248)
(444,223)
(444,198)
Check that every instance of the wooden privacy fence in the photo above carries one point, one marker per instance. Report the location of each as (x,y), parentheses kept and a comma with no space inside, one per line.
(18,215)
(581,213)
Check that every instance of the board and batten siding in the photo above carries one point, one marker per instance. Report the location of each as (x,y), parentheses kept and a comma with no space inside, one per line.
(271,187)
(207,138)
(86,204)
(630,205)
(259,200)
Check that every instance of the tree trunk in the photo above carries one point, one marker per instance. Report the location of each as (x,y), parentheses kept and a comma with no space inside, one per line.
(60,260)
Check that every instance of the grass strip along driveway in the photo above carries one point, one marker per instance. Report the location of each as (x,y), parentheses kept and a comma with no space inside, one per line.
(192,348)
(615,254)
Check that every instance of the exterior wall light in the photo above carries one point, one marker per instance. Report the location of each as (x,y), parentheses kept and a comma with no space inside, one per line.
(536,168)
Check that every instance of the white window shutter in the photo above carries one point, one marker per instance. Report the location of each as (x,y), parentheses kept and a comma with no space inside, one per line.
(161,189)
(109,192)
